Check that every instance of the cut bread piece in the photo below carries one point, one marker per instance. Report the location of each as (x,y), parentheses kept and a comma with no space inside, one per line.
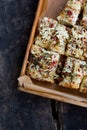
(75,48)
(42,64)
(77,45)
(80,34)
(70,13)
(47,28)
(54,38)
(78,73)
(59,38)
(72,73)
(67,72)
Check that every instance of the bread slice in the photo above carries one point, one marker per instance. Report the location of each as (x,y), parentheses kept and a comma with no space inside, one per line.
(77,45)
(78,73)
(73,73)
(42,64)
(75,48)
(70,13)
(60,39)
(67,73)
(52,36)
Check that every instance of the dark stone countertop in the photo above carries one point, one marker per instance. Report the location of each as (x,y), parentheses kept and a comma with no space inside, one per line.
(18,110)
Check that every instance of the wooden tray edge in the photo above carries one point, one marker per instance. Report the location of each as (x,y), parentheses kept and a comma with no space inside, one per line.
(55,97)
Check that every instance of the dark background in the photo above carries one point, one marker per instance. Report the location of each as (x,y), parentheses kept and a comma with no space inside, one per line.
(18,110)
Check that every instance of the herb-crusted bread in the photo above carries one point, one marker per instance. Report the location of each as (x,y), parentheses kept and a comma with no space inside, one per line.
(42,64)
(70,13)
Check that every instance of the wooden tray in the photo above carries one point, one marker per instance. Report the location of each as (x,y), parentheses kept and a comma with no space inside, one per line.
(49,8)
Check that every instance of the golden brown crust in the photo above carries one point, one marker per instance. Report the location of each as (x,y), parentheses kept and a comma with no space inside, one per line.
(66,85)
(83,90)
(80,58)
(69,85)
(47,79)
(74,86)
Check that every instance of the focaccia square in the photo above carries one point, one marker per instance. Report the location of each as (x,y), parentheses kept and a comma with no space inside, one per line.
(77,45)
(70,13)
(67,73)
(75,48)
(78,73)
(42,64)
(72,73)
(59,39)
(54,38)
(47,28)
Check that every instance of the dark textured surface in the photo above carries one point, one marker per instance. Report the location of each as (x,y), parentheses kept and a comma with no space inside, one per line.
(73,117)
(18,110)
